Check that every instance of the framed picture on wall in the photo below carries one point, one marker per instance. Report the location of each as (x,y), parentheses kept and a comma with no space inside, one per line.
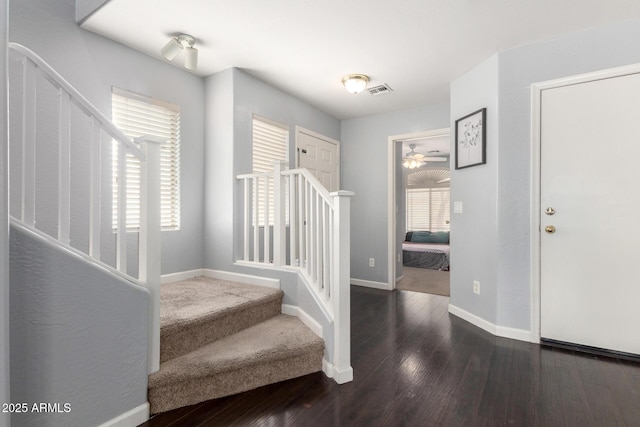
(471,131)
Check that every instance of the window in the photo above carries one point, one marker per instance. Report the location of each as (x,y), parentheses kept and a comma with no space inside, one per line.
(270,143)
(136,115)
(428,209)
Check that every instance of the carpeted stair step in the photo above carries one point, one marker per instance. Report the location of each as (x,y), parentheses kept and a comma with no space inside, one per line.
(275,350)
(198,311)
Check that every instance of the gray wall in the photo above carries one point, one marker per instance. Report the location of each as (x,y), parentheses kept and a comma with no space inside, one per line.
(507,179)
(474,232)
(4,221)
(364,153)
(93,64)
(78,336)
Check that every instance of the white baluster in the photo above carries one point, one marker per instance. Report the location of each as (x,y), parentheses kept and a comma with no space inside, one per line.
(279,219)
(267,229)
(95,181)
(64,167)
(29,142)
(293,221)
(247,219)
(256,217)
(301,221)
(121,249)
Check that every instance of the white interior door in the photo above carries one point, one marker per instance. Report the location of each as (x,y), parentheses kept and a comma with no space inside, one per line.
(590,172)
(320,155)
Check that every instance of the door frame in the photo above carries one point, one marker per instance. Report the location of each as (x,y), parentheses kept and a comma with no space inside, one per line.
(300,129)
(536,145)
(391,194)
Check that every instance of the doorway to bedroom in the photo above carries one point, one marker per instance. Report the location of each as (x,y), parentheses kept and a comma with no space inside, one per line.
(419,235)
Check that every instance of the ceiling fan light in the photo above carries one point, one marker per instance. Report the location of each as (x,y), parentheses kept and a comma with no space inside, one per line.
(191,59)
(171,49)
(355,83)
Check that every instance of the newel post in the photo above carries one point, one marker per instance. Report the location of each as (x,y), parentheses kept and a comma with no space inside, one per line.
(149,253)
(341,287)
(279,215)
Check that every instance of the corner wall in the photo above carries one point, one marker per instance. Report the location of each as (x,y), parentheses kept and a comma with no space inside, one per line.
(490,239)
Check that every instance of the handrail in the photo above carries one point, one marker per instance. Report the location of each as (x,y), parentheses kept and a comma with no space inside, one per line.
(145,148)
(314,242)
(319,187)
(82,102)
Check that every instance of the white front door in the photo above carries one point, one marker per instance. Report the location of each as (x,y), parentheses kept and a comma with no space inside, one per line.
(589,191)
(320,155)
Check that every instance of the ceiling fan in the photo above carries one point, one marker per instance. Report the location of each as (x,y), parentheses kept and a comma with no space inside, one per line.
(414,160)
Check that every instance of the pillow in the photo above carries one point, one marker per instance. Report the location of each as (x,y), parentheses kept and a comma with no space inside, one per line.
(407,238)
(429,237)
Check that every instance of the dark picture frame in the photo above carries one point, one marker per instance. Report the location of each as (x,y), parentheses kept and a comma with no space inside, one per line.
(471,132)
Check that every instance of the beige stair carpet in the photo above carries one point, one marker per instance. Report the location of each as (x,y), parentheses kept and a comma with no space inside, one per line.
(278,349)
(226,307)
(219,338)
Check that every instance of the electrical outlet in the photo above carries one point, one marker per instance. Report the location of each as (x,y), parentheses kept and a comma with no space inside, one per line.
(372,262)
(399,257)
(476,287)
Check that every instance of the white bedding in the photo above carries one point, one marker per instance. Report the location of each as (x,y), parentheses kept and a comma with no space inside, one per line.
(434,248)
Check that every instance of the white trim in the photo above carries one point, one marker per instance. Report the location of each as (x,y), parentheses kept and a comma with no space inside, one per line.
(243,278)
(181,275)
(536,94)
(391,194)
(500,331)
(371,284)
(304,317)
(341,377)
(299,130)
(132,418)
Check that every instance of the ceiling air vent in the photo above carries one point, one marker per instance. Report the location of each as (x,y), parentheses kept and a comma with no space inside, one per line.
(380,90)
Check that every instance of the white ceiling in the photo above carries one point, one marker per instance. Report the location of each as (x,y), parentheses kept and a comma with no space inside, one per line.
(304,47)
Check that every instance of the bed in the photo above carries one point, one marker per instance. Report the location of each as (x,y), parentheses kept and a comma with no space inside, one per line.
(425,249)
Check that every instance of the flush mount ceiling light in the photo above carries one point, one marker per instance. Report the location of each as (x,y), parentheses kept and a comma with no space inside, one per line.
(178,43)
(355,83)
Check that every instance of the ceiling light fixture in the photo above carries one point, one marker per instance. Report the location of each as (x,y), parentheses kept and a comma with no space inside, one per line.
(178,43)
(413,160)
(355,83)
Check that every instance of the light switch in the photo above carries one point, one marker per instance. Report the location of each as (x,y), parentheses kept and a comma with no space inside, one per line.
(457,207)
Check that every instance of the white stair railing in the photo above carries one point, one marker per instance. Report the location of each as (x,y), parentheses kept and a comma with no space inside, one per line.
(35,71)
(314,241)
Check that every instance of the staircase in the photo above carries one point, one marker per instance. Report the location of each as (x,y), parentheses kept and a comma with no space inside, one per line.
(219,338)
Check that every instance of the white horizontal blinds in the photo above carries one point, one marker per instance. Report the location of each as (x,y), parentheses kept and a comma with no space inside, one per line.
(440,208)
(428,209)
(138,115)
(417,209)
(270,142)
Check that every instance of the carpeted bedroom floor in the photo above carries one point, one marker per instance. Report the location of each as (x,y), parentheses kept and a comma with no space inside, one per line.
(424,280)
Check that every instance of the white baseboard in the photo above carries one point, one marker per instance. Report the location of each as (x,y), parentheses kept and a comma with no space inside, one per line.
(341,377)
(399,278)
(500,331)
(243,278)
(304,317)
(183,275)
(371,284)
(131,418)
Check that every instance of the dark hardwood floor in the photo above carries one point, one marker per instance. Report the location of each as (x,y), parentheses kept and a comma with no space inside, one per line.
(417,365)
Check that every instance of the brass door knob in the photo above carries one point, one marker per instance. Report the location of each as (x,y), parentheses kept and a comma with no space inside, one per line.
(550,229)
